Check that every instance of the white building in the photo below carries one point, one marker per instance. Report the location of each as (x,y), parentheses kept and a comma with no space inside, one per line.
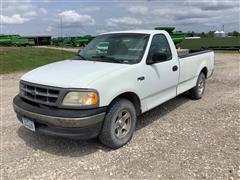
(219,34)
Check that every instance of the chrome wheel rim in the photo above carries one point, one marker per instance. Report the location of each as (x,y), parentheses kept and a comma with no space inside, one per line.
(201,86)
(123,124)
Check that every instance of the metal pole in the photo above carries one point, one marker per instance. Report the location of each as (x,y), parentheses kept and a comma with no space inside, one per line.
(61,26)
(61,35)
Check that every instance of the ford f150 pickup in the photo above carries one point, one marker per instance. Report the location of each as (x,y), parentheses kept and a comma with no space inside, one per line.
(101,93)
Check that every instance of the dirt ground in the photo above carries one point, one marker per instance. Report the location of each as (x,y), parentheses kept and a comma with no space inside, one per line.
(59,48)
(181,139)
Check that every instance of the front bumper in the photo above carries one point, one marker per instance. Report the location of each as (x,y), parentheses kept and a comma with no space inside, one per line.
(83,124)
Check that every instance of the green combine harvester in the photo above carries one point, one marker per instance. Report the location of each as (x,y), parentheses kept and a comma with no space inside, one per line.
(57,41)
(78,41)
(177,36)
(5,40)
(15,40)
(22,42)
(82,41)
(62,41)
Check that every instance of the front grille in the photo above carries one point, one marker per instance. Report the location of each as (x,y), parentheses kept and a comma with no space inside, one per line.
(39,94)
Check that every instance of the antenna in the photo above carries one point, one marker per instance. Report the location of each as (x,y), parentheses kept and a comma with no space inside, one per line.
(223,27)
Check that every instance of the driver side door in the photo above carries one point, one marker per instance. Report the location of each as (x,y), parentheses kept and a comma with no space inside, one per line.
(161,78)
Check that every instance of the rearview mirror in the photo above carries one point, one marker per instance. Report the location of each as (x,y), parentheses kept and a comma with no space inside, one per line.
(157,57)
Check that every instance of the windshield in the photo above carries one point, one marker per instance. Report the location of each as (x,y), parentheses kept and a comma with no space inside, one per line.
(118,48)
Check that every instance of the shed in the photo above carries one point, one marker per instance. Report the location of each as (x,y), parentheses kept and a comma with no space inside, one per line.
(41,40)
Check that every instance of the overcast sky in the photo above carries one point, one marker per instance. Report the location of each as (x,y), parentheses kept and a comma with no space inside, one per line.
(43,17)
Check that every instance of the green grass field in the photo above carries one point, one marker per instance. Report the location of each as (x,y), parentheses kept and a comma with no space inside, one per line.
(26,58)
(212,43)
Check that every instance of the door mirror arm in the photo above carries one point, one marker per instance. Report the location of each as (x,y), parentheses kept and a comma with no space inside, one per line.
(150,62)
(156,58)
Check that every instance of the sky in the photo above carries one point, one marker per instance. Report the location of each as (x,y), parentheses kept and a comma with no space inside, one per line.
(79,17)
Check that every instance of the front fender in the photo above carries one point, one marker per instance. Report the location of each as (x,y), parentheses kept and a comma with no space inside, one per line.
(117,83)
(118,93)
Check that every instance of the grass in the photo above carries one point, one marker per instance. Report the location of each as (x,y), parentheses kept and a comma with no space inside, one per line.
(212,43)
(13,59)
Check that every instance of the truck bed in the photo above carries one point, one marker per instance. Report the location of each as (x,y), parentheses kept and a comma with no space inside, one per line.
(190,66)
(183,53)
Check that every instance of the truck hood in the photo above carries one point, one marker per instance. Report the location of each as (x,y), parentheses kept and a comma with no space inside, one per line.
(71,73)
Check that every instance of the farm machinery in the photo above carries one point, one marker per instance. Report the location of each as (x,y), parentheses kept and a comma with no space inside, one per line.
(177,36)
(186,40)
(72,41)
(15,40)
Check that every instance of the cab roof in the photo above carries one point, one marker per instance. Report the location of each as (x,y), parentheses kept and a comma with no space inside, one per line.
(137,31)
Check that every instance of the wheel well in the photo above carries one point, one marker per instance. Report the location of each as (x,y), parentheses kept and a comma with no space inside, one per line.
(204,71)
(131,97)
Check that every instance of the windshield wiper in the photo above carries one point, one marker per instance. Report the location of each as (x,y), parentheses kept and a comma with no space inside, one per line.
(83,58)
(108,58)
(78,57)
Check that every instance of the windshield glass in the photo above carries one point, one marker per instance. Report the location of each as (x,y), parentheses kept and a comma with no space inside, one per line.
(118,48)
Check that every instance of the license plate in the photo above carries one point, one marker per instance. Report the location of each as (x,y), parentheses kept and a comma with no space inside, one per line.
(29,124)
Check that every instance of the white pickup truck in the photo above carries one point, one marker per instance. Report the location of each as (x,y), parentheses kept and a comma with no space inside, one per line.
(101,93)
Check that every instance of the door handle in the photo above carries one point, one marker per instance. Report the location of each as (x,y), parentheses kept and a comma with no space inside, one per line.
(175,68)
(141,78)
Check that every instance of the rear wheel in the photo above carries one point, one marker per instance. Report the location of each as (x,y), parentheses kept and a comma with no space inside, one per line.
(198,91)
(119,124)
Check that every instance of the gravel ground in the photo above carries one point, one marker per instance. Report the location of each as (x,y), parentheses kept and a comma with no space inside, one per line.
(181,139)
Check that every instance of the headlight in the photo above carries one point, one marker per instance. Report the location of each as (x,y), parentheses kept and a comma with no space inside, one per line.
(81,98)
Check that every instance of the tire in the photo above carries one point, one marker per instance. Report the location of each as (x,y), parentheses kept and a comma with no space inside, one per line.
(119,124)
(198,91)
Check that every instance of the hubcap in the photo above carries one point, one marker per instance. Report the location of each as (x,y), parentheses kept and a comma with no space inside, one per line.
(201,86)
(123,124)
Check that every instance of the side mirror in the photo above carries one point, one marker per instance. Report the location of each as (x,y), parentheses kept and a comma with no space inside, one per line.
(157,57)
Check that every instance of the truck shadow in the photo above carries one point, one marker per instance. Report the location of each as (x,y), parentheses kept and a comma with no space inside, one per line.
(160,111)
(77,148)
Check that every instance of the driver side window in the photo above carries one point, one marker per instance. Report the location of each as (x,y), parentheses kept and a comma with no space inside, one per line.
(160,45)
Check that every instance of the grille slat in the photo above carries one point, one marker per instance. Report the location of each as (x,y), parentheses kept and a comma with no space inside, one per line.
(39,94)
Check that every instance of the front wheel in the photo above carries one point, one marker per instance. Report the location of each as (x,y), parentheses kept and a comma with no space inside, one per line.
(198,90)
(119,124)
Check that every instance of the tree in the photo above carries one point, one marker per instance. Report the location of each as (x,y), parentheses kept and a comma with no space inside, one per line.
(203,34)
(235,33)
(210,34)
